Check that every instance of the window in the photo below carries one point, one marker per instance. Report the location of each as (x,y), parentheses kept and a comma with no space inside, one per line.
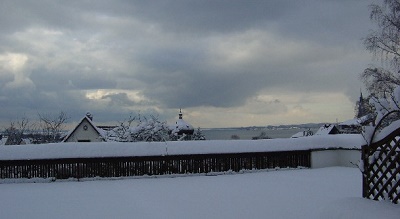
(83,140)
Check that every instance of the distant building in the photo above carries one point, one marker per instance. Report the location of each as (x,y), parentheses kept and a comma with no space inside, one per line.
(363,117)
(85,131)
(362,107)
(328,129)
(354,126)
(181,127)
(303,134)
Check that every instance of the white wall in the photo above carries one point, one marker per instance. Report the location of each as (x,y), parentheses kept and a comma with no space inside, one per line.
(340,157)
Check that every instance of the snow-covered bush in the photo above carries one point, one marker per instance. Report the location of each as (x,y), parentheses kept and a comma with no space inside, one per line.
(147,129)
(121,133)
(387,110)
(150,129)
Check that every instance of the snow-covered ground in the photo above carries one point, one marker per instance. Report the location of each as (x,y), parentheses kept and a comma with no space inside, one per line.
(333,192)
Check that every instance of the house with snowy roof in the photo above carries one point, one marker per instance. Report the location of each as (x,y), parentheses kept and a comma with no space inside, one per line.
(86,131)
(354,126)
(328,129)
(303,134)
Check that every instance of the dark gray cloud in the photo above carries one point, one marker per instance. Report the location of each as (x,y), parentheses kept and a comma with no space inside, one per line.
(139,55)
(201,17)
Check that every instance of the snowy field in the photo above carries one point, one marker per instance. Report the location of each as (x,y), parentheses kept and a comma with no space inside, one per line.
(307,193)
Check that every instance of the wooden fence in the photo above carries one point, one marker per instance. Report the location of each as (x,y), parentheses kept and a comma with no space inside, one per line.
(151,165)
(381,174)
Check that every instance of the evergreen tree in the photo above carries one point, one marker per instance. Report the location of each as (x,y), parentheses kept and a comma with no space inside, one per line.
(198,135)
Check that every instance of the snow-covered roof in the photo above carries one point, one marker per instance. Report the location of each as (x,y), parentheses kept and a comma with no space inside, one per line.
(357,121)
(351,122)
(326,130)
(299,134)
(304,133)
(181,126)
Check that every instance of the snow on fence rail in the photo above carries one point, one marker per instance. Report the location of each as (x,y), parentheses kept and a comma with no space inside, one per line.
(107,149)
(82,160)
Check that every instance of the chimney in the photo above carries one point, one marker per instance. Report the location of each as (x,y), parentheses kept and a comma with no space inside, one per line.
(89,115)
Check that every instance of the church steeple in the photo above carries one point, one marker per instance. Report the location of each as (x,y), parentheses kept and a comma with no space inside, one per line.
(182,127)
(361,106)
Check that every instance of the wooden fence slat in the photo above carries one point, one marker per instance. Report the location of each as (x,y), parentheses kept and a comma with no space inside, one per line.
(150,165)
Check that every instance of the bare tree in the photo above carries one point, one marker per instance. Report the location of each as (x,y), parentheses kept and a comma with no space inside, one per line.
(122,133)
(52,126)
(16,131)
(384,43)
(380,81)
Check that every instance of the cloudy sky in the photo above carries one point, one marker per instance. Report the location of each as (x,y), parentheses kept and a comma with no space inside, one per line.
(226,63)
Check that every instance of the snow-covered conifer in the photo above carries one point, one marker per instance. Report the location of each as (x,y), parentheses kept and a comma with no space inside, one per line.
(386,111)
(198,135)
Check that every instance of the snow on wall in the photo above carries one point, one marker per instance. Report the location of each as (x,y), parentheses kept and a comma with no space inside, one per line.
(115,149)
(329,158)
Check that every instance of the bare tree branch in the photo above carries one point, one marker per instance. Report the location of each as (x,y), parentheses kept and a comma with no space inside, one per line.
(53,125)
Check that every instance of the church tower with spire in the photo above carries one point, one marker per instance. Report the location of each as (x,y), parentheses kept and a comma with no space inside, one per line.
(180,113)
(361,111)
(181,127)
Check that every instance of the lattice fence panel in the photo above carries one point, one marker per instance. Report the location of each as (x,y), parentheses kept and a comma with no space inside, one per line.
(381,178)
